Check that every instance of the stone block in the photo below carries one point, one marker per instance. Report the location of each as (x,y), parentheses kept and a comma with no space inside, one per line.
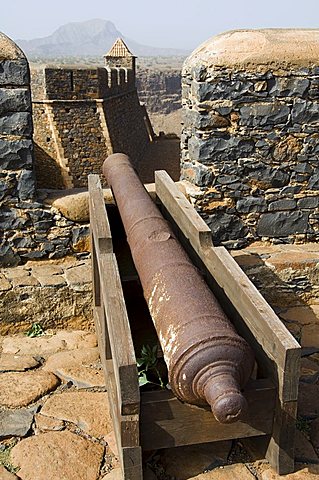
(16,422)
(8,258)
(304,111)
(79,277)
(218,148)
(288,86)
(269,177)
(217,90)
(313,183)
(10,219)
(282,224)
(251,204)
(14,72)
(264,114)
(284,204)
(14,100)
(15,154)
(226,227)
(308,202)
(26,185)
(17,123)
(204,120)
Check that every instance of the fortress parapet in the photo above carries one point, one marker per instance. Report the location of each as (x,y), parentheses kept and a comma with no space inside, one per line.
(81,115)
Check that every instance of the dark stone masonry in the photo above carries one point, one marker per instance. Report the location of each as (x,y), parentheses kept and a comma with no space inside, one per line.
(250,137)
(29,230)
(77,117)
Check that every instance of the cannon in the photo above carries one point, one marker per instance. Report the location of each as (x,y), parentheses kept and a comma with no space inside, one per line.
(207,361)
(145,420)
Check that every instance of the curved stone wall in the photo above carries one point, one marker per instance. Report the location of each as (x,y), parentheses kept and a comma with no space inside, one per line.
(250,137)
(28,228)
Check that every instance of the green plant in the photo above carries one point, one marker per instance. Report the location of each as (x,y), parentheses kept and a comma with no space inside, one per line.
(5,451)
(147,363)
(35,330)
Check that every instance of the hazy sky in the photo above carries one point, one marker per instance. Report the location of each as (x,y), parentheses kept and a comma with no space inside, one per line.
(162,23)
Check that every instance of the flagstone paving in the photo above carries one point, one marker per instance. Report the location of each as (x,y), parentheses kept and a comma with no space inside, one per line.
(54,412)
(63,429)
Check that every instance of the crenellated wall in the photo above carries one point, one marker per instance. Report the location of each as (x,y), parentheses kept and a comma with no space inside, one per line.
(28,228)
(250,138)
(82,115)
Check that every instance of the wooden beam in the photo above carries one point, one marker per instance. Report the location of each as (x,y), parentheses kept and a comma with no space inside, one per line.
(123,355)
(100,226)
(167,422)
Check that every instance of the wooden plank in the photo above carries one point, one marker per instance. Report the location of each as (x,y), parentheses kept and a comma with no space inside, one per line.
(132,463)
(188,220)
(167,422)
(102,333)
(99,223)
(260,318)
(280,450)
(269,331)
(126,430)
(95,274)
(122,349)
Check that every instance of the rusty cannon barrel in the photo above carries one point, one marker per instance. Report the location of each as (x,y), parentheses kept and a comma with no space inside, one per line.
(207,361)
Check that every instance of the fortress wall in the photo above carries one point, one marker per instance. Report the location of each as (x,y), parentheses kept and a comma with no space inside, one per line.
(47,169)
(126,126)
(73,136)
(159,90)
(82,138)
(250,138)
(28,228)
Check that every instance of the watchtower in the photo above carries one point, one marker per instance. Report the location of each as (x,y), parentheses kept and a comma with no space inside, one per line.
(120,57)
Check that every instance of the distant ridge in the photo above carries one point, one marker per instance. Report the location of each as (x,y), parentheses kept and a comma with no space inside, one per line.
(93,37)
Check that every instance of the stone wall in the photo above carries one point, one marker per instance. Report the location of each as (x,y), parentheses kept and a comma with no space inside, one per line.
(160,90)
(80,117)
(28,228)
(250,138)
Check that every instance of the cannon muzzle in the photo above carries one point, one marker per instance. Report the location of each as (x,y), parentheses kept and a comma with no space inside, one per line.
(207,361)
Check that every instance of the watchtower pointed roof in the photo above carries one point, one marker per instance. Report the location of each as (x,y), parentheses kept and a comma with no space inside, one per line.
(119,49)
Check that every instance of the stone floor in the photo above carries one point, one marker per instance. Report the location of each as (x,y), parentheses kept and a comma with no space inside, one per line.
(54,413)
(55,423)
(288,278)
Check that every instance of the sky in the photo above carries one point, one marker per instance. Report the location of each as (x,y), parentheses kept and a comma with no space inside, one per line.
(166,23)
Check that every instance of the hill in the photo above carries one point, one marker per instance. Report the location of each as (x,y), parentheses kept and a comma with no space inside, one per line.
(92,37)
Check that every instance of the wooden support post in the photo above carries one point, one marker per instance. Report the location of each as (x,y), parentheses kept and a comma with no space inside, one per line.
(114,337)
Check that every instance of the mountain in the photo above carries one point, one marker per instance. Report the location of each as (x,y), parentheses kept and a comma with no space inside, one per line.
(93,37)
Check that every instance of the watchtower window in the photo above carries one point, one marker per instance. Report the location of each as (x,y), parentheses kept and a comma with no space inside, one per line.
(71,82)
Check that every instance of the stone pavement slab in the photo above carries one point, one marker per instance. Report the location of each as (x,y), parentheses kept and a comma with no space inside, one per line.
(87,410)
(71,358)
(230,472)
(57,456)
(191,460)
(46,345)
(5,475)
(304,472)
(81,377)
(18,389)
(16,363)
(16,422)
